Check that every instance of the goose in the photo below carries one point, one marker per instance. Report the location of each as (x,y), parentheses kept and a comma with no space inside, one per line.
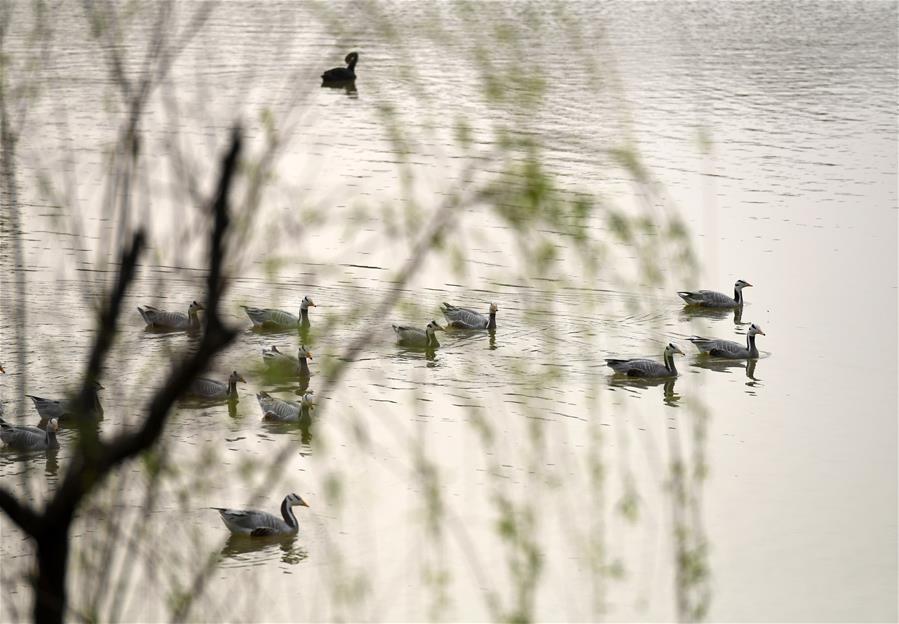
(343,74)
(277,359)
(161,319)
(713,299)
(213,390)
(267,317)
(463,318)
(64,408)
(278,410)
(414,337)
(262,523)
(729,349)
(648,368)
(24,438)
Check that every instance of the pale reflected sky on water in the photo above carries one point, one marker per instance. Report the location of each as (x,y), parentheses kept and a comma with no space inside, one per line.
(796,194)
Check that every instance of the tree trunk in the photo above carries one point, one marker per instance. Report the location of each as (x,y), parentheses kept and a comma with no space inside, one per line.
(50,585)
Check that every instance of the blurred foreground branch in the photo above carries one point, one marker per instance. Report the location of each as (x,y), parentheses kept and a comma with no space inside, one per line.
(94,459)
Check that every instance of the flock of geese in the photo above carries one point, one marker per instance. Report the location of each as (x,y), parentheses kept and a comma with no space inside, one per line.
(260,523)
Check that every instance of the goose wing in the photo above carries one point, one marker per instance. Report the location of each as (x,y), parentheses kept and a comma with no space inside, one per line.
(48,408)
(208,388)
(638,368)
(464,318)
(269,316)
(708,298)
(278,409)
(23,438)
(252,522)
(410,336)
(162,318)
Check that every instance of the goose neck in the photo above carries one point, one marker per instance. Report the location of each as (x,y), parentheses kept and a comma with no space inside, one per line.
(750,344)
(738,295)
(669,363)
(232,389)
(287,512)
(491,324)
(304,367)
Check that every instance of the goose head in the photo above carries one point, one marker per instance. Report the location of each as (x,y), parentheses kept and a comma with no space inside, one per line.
(235,377)
(1,369)
(53,425)
(741,284)
(671,349)
(304,353)
(194,307)
(351,59)
(294,500)
(308,400)
(307,303)
(432,327)
(96,386)
(755,329)
(493,308)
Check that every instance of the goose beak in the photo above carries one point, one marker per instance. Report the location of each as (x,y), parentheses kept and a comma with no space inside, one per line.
(309,354)
(747,284)
(761,332)
(1,369)
(240,378)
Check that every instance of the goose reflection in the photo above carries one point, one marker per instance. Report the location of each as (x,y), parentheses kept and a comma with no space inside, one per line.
(260,550)
(691,312)
(636,385)
(726,366)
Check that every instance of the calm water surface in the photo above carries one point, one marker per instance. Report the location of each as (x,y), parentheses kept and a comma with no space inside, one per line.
(796,194)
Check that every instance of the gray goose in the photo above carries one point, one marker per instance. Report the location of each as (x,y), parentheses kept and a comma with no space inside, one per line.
(261,523)
(161,319)
(420,338)
(271,318)
(278,359)
(463,318)
(25,438)
(213,390)
(648,369)
(278,410)
(713,299)
(63,409)
(729,349)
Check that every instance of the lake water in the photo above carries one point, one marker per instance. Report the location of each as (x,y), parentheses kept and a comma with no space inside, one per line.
(769,128)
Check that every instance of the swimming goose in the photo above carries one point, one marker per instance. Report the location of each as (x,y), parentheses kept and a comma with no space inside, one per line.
(261,523)
(24,438)
(728,348)
(277,359)
(648,368)
(278,410)
(64,408)
(161,319)
(713,299)
(343,74)
(212,390)
(414,337)
(267,317)
(463,318)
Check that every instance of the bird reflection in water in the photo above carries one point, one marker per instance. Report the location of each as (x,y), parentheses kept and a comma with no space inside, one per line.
(635,384)
(722,365)
(691,312)
(492,334)
(243,548)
